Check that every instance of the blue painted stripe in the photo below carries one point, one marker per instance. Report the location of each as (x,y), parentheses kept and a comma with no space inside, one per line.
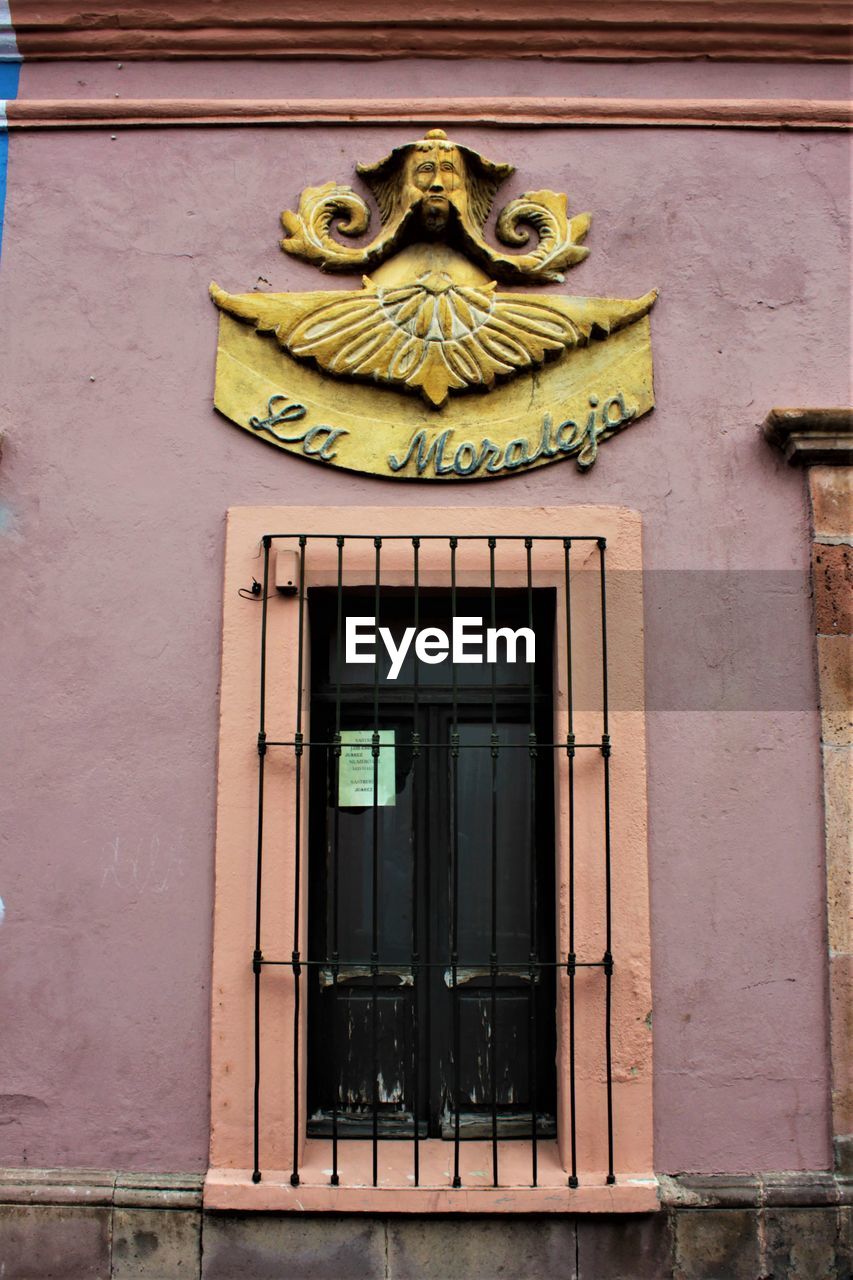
(10,65)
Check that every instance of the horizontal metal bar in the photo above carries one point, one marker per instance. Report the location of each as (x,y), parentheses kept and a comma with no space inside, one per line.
(397,967)
(446,746)
(357,695)
(358,1129)
(443,537)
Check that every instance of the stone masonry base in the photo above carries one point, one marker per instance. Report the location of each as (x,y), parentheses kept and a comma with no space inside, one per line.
(71,1225)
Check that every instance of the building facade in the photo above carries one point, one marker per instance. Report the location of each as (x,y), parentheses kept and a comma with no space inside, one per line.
(521,952)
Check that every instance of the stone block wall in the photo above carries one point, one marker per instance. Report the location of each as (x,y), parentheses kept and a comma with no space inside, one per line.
(108,1226)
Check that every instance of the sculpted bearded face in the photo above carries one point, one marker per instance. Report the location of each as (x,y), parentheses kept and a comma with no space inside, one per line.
(435,176)
(437,182)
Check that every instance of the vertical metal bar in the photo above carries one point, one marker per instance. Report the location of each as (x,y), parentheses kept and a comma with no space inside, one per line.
(297,857)
(416,958)
(257,957)
(493,955)
(605,711)
(534,943)
(454,877)
(571,962)
(608,949)
(374,943)
(336,835)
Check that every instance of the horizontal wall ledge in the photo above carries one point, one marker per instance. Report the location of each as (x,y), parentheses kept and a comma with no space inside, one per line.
(754,30)
(234,1189)
(92,1187)
(696,113)
(790,1190)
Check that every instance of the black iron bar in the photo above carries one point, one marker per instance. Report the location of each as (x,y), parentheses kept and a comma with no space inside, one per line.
(297,856)
(257,957)
(502,969)
(454,879)
(473,746)
(435,537)
(534,946)
(374,947)
(493,958)
(572,962)
(605,710)
(336,824)
(608,948)
(416,957)
(405,1137)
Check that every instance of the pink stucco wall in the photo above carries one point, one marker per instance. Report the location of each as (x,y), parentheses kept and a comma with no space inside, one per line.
(402,78)
(114,483)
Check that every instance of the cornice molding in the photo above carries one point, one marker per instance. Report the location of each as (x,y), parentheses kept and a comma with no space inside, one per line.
(810,436)
(751,30)
(78,113)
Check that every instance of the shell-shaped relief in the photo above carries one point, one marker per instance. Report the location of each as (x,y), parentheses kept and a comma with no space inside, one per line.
(432,336)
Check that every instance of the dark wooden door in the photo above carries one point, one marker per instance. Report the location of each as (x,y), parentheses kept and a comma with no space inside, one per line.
(402,1038)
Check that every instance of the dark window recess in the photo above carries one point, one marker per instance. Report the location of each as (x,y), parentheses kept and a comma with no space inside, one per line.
(430,967)
(434,1036)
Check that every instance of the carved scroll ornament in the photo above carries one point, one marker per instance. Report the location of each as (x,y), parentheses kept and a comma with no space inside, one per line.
(435,188)
(332,207)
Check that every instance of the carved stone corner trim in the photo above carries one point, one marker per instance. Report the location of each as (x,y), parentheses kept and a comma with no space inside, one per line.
(811,436)
(843,1147)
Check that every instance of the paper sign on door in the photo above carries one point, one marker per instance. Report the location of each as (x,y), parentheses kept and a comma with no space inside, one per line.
(355,775)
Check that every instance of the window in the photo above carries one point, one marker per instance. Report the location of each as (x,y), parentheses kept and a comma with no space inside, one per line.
(464,989)
(448,989)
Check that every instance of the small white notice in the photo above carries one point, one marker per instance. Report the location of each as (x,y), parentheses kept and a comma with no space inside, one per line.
(355,773)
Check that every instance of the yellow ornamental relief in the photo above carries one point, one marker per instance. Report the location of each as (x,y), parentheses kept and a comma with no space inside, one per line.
(337,382)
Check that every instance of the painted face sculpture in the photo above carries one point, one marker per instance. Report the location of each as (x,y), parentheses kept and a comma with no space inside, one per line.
(435,177)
